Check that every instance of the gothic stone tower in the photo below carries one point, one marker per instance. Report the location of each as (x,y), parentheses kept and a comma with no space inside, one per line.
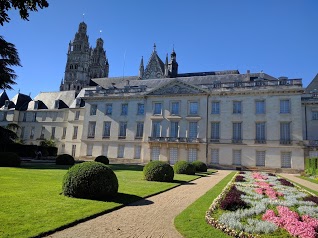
(83,62)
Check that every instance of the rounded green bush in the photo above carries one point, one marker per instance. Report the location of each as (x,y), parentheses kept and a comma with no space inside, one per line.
(64,159)
(102,159)
(200,166)
(158,171)
(9,159)
(90,180)
(184,167)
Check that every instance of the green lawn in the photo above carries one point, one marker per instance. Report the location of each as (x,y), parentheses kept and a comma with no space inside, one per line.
(31,203)
(191,222)
(309,179)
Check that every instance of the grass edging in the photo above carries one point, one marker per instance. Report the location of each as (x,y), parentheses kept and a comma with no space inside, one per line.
(191,222)
(308,179)
(84,219)
(302,186)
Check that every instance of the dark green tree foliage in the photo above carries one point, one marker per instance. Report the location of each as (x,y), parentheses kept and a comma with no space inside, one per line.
(102,159)
(8,54)
(200,166)
(158,171)
(184,167)
(9,159)
(6,137)
(24,8)
(90,180)
(65,159)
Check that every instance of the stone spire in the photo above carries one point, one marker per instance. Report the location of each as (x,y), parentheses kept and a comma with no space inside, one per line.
(173,65)
(141,68)
(166,67)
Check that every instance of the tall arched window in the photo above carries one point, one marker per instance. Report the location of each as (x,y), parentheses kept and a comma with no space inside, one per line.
(76,66)
(71,66)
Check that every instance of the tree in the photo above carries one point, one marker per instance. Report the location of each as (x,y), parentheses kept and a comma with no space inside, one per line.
(23,6)
(6,137)
(8,54)
(8,57)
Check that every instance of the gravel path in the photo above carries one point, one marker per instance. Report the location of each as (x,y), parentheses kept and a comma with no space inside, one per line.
(293,177)
(151,217)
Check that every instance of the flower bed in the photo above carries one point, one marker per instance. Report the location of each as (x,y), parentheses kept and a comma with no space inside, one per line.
(261,203)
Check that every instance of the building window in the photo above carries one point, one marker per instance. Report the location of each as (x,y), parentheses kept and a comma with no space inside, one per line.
(260,136)
(173,155)
(43,116)
(89,151)
(215,156)
(286,159)
(62,148)
(64,132)
(105,150)
(140,130)
(215,108)
(193,130)
(137,152)
(237,132)
(93,110)
(109,109)
(284,106)
(42,132)
(24,116)
(106,131)
(155,153)
(140,109)
(260,107)
(22,133)
(215,131)
(175,108)
(91,129)
(315,115)
(260,158)
(124,109)
(34,116)
(75,130)
(73,150)
(77,114)
(53,133)
(155,129)
(157,108)
(193,108)
(174,129)
(237,107)
(285,133)
(121,151)
(122,129)
(237,157)
(32,132)
(192,154)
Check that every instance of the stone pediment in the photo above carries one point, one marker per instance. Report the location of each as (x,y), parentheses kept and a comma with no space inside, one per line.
(177,88)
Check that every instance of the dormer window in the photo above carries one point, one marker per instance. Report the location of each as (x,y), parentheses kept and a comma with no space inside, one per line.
(56,105)
(6,104)
(36,105)
(78,102)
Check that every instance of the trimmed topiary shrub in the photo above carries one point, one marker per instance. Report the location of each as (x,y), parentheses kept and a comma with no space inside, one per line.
(183,167)
(200,166)
(64,159)
(90,180)
(102,159)
(158,171)
(9,159)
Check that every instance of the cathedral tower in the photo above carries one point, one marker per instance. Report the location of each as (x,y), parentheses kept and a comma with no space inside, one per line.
(83,62)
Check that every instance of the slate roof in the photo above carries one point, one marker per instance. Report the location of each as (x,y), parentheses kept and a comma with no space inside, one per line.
(20,102)
(313,85)
(199,79)
(3,98)
(48,98)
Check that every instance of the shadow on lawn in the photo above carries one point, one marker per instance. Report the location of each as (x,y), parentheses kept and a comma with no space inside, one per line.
(127,199)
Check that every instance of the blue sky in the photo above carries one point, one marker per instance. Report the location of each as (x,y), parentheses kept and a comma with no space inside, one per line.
(278,37)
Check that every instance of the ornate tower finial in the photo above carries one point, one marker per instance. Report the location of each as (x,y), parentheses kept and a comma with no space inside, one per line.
(154,47)
(83,17)
(141,68)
